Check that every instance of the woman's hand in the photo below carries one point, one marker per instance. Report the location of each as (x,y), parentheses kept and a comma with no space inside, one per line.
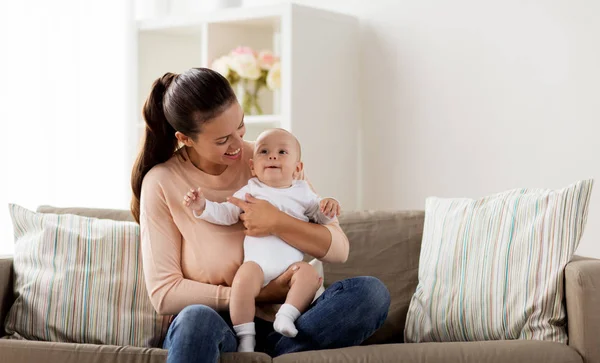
(276,291)
(259,217)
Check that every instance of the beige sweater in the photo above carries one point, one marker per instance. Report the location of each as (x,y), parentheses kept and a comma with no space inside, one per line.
(190,261)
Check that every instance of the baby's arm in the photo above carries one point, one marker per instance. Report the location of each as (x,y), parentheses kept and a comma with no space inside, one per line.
(224,214)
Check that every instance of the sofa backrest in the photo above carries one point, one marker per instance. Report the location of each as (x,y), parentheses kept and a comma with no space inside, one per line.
(386,245)
(383,244)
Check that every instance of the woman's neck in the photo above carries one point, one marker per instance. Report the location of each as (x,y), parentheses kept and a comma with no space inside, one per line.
(204,165)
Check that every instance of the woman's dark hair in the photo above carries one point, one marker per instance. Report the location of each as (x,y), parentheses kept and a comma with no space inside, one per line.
(178,102)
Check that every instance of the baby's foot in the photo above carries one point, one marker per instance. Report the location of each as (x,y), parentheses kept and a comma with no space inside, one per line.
(284,321)
(246,343)
(285,326)
(246,334)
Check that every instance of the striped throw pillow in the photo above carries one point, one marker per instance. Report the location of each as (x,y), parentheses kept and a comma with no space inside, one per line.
(80,280)
(492,268)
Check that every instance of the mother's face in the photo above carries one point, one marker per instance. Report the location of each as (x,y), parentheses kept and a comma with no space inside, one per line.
(221,140)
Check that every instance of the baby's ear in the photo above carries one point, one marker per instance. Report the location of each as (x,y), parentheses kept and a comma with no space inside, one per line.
(251,163)
(299,167)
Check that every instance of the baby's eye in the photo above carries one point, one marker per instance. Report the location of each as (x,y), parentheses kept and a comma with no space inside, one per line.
(263,151)
(282,152)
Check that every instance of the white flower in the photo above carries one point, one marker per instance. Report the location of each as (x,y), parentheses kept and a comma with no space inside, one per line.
(245,65)
(274,77)
(221,65)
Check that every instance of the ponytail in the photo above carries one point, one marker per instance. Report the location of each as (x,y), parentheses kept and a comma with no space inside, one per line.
(159,141)
(180,103)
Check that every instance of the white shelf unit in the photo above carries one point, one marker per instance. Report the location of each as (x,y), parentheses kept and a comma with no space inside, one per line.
(319,98)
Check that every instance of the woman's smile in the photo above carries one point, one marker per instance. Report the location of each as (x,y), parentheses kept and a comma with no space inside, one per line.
(235,154)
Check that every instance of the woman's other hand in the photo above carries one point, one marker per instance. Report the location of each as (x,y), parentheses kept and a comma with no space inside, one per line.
(259,217)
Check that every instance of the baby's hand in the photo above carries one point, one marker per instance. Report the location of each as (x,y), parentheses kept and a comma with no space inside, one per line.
(194,199)
(330,207)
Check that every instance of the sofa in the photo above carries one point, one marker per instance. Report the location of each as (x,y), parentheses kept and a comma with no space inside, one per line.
(384,244)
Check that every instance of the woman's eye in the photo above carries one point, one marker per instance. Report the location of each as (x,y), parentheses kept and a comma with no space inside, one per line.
(242,125)
(222,142)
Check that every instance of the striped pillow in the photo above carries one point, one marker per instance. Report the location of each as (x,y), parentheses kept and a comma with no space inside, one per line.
(80,280)
(492,268)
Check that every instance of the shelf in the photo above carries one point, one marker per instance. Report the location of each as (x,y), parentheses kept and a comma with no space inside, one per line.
(259,16)
(261,119)
(317,101)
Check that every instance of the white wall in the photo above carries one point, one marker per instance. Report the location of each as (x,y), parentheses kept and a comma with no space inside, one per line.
(466,98)
(461,98)
(64,103)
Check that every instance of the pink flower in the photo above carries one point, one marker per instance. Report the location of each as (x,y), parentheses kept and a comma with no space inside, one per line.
(243,50)
(266,60)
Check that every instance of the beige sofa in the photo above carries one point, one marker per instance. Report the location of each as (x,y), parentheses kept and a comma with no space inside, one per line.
(384,244)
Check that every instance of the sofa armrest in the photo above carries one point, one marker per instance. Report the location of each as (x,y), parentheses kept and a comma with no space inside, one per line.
(6,288)
(582,287)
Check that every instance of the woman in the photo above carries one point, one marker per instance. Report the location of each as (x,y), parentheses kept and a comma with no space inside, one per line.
(189,265)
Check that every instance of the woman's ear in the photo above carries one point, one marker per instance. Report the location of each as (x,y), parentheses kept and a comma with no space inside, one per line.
(187,141)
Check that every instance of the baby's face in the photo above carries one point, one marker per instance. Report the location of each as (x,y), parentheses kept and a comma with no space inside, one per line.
(276,159)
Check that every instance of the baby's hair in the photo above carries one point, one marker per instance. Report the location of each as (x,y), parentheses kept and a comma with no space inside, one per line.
(289,133)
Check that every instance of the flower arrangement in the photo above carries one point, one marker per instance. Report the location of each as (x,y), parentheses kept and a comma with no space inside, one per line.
(250,71)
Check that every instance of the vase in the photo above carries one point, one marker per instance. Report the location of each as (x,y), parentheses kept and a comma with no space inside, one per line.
(247,94)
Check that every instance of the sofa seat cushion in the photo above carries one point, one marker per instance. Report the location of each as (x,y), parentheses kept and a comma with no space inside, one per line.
(513,351)
(32,351)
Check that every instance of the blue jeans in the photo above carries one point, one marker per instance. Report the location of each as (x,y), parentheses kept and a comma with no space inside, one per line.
(346,314)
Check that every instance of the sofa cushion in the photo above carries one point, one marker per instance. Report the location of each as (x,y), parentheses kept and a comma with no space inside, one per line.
(114,214)
(472,352)
(80,279)
(493,268)
(26,351)
(383,244)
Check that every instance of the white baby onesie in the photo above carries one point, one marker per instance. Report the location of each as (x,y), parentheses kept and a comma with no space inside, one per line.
(271,253)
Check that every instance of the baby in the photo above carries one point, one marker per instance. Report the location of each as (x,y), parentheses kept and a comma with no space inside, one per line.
(275,165)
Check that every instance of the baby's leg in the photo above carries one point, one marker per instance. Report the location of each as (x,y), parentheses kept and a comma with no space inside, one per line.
(303,287)
(246,285)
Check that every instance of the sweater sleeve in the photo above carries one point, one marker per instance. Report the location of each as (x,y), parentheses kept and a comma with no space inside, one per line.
(339,246)
(161,243)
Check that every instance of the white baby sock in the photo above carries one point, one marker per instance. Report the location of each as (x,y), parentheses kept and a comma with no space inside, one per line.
(247,337)
(284,320)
